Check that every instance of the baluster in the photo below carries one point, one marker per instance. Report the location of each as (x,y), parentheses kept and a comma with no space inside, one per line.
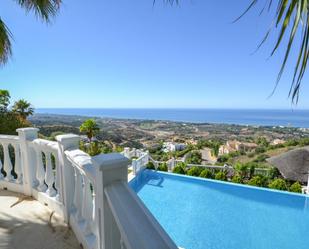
(78,194)
(7,164)
(40,172)
(1,176)
(122,245)
(17,166)
(49,175)
(87,206)
(134,166)
(57,180)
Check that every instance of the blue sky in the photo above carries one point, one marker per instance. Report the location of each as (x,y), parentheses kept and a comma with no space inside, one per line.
(125,53)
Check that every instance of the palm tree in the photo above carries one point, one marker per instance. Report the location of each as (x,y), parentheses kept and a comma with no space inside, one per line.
(23,108)
(296,13)
(90,127)
(44,9)
(4,100)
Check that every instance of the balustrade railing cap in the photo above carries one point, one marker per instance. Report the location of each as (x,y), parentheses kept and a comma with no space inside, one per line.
(9,137)
(66,137)
(28,133)
(68,140)
(110,161)
(27,129)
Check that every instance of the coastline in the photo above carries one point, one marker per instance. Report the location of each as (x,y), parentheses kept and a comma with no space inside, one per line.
(240,117)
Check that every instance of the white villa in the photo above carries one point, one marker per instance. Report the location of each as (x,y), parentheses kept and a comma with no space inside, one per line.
(170,146)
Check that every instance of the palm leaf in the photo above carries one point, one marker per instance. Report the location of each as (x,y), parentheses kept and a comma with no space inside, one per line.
(293,12)
(5,43)
(44,9)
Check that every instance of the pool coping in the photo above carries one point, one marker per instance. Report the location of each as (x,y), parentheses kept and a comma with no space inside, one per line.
(224,182)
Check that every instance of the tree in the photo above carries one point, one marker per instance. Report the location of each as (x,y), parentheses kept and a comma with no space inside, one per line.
(4,100)
(279,184)
(237,178)
(194,171)
(259,181)
(262,141)
(44,10)
(221,175)
(195,157)
(206,173)
(23,108)
(296,13)
(179,170)
(90,127)
(296,187)
(9,122)
(163,167)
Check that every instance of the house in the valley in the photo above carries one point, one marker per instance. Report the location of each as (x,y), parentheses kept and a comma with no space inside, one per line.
(234,145)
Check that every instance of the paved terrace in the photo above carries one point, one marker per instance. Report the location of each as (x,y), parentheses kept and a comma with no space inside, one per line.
(25,223)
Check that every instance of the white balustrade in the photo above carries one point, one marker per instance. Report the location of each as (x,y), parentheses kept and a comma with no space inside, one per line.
(1,166)
(40,172)
(17,164)
(45,174)
(137,163)
(91,193)
(7,163)
(7,166)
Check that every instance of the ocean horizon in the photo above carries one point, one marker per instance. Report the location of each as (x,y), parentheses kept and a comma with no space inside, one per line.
(256,117)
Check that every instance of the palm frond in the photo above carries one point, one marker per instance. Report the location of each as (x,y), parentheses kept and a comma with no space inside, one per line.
(44,9)
(5,43)
(294,12)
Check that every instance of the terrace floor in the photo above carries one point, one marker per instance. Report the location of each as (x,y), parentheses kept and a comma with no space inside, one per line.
(27,224)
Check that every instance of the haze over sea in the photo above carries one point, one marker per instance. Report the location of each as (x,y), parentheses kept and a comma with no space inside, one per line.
(265,117)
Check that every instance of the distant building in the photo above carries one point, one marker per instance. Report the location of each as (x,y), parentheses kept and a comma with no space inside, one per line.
(169,146)
(277,141)
(234,145)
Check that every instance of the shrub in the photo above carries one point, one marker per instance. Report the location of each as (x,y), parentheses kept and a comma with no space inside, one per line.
(251,154)
(194,171)
(291,142)
(304,141)
(262,141)
(234,154)
(206,173)
(251,168)
(258,181)
(295,187)
(163,167)
(150,165)
(261,158)
(221,175)
(179,170)
(195,157)
(241,169)
(260,149)
(9,122)
(237,178)
(279,184)
(94,148)
(223,158)
(274,173)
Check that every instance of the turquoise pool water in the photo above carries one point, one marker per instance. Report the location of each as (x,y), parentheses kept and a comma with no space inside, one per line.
(206,214)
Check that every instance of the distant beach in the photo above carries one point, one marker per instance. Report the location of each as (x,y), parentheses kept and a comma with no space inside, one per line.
(293,118)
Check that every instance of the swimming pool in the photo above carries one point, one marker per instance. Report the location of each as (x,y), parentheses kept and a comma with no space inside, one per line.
(206,214)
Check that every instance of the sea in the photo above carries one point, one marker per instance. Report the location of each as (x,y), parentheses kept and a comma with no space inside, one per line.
(255,117)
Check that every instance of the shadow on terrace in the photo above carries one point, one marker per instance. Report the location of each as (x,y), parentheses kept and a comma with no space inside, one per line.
(26,223)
